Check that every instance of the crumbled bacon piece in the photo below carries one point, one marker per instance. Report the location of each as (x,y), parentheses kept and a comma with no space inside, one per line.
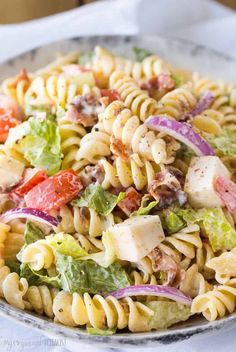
(85,109)
(226,190)
(167,188)
(159,85)
(91,174)
(111,94)
(74,69)
(131,202)
(118,148)
(163,262)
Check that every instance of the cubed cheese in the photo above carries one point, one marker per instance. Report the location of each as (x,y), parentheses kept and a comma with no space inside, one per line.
(11,172)
(199,184)
(136,237)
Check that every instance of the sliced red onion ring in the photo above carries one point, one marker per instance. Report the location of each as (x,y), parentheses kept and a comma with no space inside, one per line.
(29,213)
(182,132)
(153,290)
(202,105)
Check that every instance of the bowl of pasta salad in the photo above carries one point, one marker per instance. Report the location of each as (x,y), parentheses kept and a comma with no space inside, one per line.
(118,190)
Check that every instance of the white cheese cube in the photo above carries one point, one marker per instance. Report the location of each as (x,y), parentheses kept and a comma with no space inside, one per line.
(136,237)
(11,172)
(199,183)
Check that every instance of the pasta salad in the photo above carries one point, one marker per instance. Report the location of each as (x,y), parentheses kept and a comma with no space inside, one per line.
(117,193)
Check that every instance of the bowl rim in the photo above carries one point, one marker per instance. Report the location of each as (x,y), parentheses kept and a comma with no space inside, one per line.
(126,340)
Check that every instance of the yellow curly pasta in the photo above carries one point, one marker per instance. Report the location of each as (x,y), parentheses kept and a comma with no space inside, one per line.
(126,173)
(71,134)
(177,102)
(217,302)
(40,299)
(4,231)
(224,266)
(182,246)
(203,256)
(135,136)
(39,255)
(194,283)
(137,100)
(105,62)
(99,312)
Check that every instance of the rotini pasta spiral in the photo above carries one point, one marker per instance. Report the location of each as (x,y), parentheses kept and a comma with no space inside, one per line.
(138,278)
(12,287)
(105,62)
(99,312)
(16,88)
(120,122)
(14,240)
(39,255)
(40,299)
(4,230)
(126,173)
(194,283)
(217,302)
(177,102)
(84,221)
(137,100)
(71,135)
(224,266)
(181,246)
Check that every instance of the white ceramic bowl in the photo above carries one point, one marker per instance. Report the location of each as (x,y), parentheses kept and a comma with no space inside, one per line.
(181,54)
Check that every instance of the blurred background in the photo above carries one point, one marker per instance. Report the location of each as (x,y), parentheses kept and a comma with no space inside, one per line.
(14,11)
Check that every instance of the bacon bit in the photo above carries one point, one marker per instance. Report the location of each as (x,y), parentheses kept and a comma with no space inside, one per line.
(74,70)
(84,109)
(111,94)
(163,262)
(159,85)
(22,76)
(91,174)
(226,190)
(118,148)
(131,202)
(166,188)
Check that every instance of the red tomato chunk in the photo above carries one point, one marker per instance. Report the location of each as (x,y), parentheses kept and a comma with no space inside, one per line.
(131,202)
(55,191)
(31,178)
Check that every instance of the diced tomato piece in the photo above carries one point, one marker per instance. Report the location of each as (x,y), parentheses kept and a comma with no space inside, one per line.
(10,116)
(131,202)
(31,178)
(226,190)
(55,191)
(112,94)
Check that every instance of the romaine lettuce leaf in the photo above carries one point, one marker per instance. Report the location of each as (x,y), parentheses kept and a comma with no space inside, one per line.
(145,206)
(13,265)
(66,244)
(39,141)
(172,222)
(221,234)
(225,142)
(100,332)
(101,201)
(179,80)
(87,276)
(38,277)
(167,313)
(140,54)
(32,233)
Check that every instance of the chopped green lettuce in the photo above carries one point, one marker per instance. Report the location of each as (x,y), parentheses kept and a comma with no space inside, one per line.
(101,201)
(39,141)
(100,332)
(221,234)
(140,54)
(33,233)
(86,58)
(172,222)
(145,206)
(179,81)
(167,313)
(225,142)
(66,244)
(38,277)
(87,276)
(13,265)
